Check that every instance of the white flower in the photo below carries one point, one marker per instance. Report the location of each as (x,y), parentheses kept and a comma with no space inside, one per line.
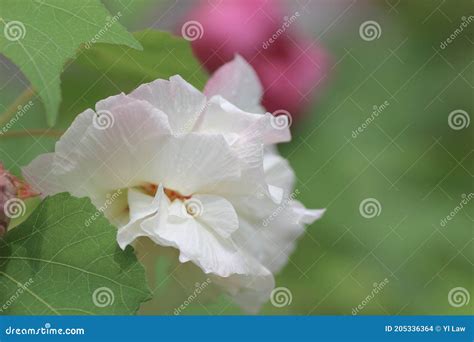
(197,172)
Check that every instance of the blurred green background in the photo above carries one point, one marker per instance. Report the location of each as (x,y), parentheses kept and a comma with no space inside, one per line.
(408,158)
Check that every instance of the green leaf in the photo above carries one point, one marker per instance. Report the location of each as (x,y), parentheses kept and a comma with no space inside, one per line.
(40,36)
(54,264)
(106,70)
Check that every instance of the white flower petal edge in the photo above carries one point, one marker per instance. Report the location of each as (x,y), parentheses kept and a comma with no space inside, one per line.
(197,172)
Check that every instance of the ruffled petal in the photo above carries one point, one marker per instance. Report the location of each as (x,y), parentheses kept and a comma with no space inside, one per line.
(216,213)
(222,116)
(140,206)
(177,98)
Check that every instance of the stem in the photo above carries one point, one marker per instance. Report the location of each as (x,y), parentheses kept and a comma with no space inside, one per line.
(32,132)
(8,114)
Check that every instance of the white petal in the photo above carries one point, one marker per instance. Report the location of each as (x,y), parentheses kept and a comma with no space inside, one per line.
(140,207)
(195,163)
(249,292)
(177,98)
(278,172)
(237,82)
(223,117)
(115,157)
(40,175)
(216,213)
(200,244)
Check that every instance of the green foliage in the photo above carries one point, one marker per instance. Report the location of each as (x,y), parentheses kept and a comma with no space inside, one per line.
(40,36)
(55,264)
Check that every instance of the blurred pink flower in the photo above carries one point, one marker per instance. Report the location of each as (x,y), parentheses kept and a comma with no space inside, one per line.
(290,66)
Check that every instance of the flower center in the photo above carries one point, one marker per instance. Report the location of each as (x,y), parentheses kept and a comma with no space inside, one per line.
(151,190)
(191,205)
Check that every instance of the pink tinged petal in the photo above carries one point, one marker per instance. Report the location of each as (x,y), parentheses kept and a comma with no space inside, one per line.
(178,99)
(40,175)
(238,83)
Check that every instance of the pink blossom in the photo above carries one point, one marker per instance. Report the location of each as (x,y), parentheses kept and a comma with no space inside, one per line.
(290,65)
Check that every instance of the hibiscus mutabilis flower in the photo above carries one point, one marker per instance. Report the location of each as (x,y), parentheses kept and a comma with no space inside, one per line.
(198,172)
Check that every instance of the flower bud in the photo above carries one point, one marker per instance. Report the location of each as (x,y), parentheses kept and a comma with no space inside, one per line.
(10,187)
